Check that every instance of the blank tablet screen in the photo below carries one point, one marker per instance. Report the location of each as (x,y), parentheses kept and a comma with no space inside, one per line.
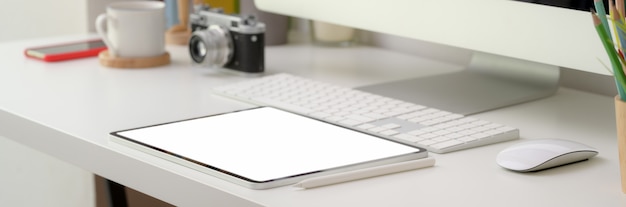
(264,144)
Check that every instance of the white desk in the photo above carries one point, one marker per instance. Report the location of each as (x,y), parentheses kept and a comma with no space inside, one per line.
(67,109)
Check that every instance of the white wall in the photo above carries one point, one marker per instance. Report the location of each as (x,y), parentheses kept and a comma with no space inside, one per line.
(24,19)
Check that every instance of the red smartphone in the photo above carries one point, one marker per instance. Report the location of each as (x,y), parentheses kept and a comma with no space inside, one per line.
(66,51)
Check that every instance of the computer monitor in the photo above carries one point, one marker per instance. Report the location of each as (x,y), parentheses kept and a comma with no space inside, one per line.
(518,46)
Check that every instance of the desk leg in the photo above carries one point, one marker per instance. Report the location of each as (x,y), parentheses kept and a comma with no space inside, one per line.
(117,194)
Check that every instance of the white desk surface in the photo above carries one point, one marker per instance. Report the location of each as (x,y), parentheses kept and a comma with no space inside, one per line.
(67,109)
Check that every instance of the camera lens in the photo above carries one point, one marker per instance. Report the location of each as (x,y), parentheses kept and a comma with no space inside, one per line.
(197,49)
(212,46)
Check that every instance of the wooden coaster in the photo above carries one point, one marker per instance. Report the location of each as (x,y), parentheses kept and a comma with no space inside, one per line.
(139,62)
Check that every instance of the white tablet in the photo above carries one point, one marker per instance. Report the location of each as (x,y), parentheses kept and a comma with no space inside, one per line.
(265,147)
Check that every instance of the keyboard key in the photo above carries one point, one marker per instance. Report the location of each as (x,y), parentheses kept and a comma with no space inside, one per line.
(350,122)
(408,137)
(359,117)
(389,132)
(428,135)
(405,116)
(374,115)
(454,135)
(441,139)
(417,132)
(430,129)
(334,118)
(441,132)
(418,119)
(467,132)
(366,126)
(480,135)
(390,126)
(427,142)
(446,144)
(376,129)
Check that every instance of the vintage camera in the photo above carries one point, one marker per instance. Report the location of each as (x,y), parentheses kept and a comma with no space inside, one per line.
(219,40)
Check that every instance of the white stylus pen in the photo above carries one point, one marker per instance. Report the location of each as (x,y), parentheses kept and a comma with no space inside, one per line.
(365,173)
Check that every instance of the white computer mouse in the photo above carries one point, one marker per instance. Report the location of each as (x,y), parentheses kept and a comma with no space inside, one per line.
(535,155)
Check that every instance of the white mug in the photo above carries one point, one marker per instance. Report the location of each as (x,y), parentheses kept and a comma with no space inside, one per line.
(332,34)
(133,29)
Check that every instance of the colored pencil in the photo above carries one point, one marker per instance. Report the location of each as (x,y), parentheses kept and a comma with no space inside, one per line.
(620,7)
(616,19)
(601,13)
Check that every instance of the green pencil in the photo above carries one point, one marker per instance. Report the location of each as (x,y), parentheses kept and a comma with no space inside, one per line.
(602,15)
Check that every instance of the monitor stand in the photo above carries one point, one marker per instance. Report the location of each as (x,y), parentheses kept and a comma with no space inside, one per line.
(489,82)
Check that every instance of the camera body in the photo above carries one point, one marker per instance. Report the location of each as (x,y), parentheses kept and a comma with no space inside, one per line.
(228,41)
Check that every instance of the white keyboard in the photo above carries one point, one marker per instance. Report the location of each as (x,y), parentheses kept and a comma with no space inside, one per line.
(433,129)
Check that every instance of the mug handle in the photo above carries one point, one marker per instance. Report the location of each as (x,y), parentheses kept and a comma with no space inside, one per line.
(101,28)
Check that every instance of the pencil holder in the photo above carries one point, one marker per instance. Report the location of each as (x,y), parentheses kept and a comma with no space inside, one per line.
(620,120)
